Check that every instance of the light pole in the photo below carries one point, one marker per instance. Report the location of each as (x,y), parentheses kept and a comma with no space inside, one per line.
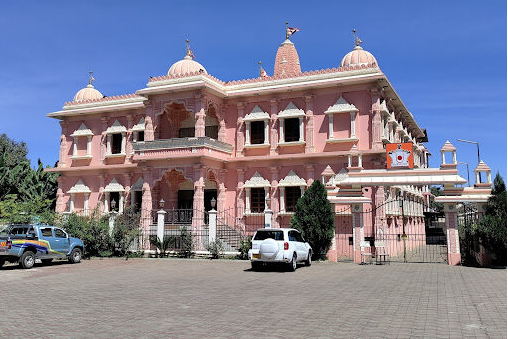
(467,165)
(477,149)
(404,236)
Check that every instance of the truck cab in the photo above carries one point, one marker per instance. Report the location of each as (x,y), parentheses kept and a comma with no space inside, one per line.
(27,244)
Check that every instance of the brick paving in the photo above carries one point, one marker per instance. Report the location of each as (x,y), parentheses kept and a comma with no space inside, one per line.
(178,298)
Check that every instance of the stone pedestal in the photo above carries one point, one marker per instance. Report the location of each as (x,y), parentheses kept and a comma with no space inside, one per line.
(452,234)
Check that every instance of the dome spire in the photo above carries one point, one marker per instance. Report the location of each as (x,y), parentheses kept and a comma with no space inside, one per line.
(357,40)
(287,61)
(188,54)
(90,79)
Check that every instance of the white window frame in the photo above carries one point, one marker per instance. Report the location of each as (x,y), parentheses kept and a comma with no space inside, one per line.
(82,132)
(116,128)
(114,186)
(291,180)
(291,111)
(256,181)
(257,114)
(79,188)
(341,106)
(139,127)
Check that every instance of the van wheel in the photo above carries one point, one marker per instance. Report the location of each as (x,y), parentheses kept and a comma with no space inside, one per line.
(292,264)
(27,260)
(75,256)
(256,265)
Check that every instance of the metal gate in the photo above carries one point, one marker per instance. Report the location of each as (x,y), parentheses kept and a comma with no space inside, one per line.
(406,230)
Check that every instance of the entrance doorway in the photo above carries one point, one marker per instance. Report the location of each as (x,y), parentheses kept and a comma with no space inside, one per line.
(209,194)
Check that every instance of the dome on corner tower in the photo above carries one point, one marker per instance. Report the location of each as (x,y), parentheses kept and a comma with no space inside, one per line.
(89,92)
(187,65)
(358,56)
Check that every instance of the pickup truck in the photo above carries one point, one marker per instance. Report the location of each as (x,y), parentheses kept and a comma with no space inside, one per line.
(26,244)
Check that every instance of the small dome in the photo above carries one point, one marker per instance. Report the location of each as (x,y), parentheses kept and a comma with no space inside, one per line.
(358,56)
(186,66)
(88,93)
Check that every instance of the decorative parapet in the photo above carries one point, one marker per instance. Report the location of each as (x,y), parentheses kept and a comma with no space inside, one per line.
(177,143)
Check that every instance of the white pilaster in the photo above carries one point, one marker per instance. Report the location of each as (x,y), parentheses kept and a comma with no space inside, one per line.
(330,126)
(71,205)
(282,194)
(89,145)
(247,200)
(85,204)
(353,125)
(247,133)
(267,132)
(281,130)
(301,129)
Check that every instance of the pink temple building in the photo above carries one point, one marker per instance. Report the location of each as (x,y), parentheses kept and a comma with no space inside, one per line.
(188,137)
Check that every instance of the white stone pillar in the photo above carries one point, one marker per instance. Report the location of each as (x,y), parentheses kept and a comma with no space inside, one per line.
(71,205)
(160,224)
(302,190)
(267,132)
(267,194)
(454,157)
(281,130)
(349,160)
(247,133)
(89,145)
(85,204)
(75,147)
(108,146)
(120,202)
(123,142)
(247,200)
(330,126)
(353,125)
(301,130)
(443,160)
(112,217)
(282,197)
(360,164)
(212,225)
(106,202)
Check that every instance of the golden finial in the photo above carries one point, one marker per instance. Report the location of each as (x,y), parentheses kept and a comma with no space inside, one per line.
(90,78)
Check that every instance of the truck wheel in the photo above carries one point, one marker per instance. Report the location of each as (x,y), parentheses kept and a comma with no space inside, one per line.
(46,261)
(27,260)
(75,256)
(256,265)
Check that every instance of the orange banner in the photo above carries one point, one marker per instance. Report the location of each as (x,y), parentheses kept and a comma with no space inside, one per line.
(399,155)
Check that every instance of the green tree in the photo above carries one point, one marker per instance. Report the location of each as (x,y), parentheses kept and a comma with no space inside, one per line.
(314,218)
(436,206)
(15,152)
(492,227)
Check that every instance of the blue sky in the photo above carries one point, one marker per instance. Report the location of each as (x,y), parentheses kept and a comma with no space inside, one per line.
(446,59)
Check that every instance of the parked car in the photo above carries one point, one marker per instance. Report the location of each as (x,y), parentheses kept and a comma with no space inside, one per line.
(279,245)
(26,244)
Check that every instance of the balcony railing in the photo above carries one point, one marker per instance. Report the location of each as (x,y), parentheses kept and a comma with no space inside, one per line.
(178,143)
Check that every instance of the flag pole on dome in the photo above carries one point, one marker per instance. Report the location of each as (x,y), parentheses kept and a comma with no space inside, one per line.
(357,41)
(262,72)
(290,30)
(91,78)
(189,51)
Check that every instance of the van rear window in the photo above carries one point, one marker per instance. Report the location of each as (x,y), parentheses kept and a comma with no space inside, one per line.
(262,235)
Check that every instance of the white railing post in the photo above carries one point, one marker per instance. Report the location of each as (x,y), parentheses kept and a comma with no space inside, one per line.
(160,224)
(212,225)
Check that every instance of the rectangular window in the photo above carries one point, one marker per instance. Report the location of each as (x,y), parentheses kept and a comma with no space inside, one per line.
(187,132)
(275,235)
(257,132)
(257,197)
(291,129)
(212,132)
(116,143)
(46,232)
(292,195)
(141,136)
(59,233)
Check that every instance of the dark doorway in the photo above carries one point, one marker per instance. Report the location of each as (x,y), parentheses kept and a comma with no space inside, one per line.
(185,199)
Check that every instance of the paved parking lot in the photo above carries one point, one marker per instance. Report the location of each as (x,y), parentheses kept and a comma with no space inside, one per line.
(178,298)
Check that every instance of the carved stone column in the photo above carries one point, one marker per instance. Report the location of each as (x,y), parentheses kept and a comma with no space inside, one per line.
(149,119)
(60,205)
(222,124)
(128,184)
(62,161)
(200,116)
(128,136)
(274,193)
(146,207)
(104,121)
(358,234)
(309,137)
(221,194)
(240,126)
(379,200)
(377,142)
(273,127)
(240,203)
(452,234)
(310,173)
(102,183)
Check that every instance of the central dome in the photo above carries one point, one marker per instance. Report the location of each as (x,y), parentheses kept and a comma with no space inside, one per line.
(88,93)
(358,56)
(186,66)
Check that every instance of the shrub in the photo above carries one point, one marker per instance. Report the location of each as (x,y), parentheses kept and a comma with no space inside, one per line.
(125,231)
(314,218)
(216,248)
(161,247)
(245,245)
(187,243)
